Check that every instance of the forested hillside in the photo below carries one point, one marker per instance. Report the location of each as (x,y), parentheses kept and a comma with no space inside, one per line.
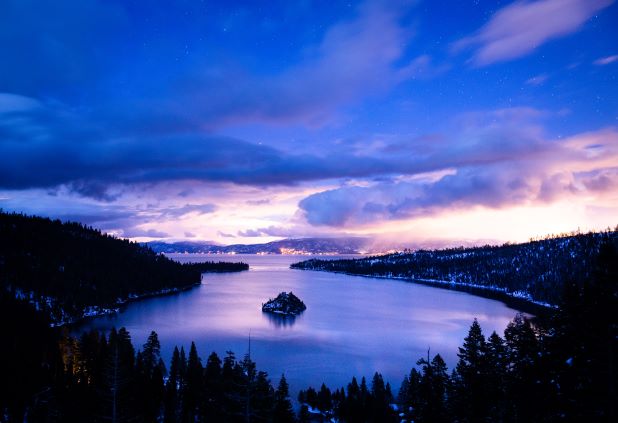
(69,270)
(535,271)
(559,369)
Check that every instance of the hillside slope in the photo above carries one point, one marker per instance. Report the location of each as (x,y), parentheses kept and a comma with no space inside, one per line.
(535,271)
(70,271)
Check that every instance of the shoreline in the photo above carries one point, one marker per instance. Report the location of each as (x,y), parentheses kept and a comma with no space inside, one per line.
(119,305)
(92,312)
(522,304)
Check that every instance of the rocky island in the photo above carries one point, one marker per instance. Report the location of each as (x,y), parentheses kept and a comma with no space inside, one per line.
(286,304)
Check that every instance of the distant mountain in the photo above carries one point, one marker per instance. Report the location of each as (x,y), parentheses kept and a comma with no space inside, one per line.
(536,271)
(347,245)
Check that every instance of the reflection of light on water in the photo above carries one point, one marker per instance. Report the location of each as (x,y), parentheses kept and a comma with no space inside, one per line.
(353,325)
(280,320)
(268,268)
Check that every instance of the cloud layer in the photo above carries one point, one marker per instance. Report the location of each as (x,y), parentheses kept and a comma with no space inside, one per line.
(521,27)
(509,168)
(235,120)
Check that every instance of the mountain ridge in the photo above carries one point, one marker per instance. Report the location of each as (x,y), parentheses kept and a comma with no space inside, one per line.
(536,271)
(314,245)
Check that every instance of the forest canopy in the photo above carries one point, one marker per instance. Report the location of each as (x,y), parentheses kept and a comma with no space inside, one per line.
(69,270)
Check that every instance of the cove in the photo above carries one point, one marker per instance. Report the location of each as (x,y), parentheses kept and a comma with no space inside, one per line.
(353,326)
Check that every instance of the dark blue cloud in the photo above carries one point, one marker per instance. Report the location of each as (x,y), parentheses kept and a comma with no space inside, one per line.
(102,96)
(148,233)
(46,145)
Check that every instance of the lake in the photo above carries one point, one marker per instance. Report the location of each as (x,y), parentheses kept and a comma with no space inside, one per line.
(353,326)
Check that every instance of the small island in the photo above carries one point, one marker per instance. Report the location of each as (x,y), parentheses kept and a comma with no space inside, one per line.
(286,304)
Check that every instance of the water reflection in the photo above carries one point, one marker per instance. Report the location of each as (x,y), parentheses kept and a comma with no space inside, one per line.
(354,325)
(281,320)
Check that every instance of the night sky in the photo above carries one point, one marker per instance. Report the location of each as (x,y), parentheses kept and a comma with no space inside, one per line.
(245,122)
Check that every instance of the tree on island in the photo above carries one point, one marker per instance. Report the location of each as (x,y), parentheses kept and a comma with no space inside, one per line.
(285,304)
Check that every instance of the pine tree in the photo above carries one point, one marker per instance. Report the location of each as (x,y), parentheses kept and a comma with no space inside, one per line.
(312,397)
(352,411)
(522,347)
(434,383)
(175,387)
(118,379)
(151,353)
(364,397)
(213,389)
(584,343)
(283,411)
(380,400)
(263,398)
(496,367)
(193,385)
(325,402)
(408,398)
(303,415)
(470,377)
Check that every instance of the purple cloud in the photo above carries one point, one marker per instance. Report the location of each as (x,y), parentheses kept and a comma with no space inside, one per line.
(258,202)
(602,61)
(180,211)
(250,233)
(355,59)
(541,171)
(296,231)
(537,80)
(146,233)
(65,150)
(521,27)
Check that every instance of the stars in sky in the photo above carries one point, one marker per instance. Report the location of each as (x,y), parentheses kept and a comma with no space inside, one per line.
(246,122)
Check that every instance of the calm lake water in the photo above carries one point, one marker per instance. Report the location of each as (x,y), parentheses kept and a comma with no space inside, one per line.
(352,326)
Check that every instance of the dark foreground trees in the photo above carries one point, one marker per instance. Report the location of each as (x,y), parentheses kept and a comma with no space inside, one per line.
(561,370)
(99,378)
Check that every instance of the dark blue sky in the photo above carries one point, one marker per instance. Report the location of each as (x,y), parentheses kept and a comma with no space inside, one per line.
(242,121)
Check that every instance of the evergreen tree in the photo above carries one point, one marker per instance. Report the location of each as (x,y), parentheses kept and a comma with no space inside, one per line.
(151,353)
(118,379)
(380,400)
(403,397)
(174,388)
(325,402)
(193,386)
(470,377)
(233,388)
(496,367)
(352,411)
(412,401)
(526,392)
(263,398)
(213,389)
(432,404)
(312,397)
(364,398)
(283,411)
(303,415)
(584,344)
